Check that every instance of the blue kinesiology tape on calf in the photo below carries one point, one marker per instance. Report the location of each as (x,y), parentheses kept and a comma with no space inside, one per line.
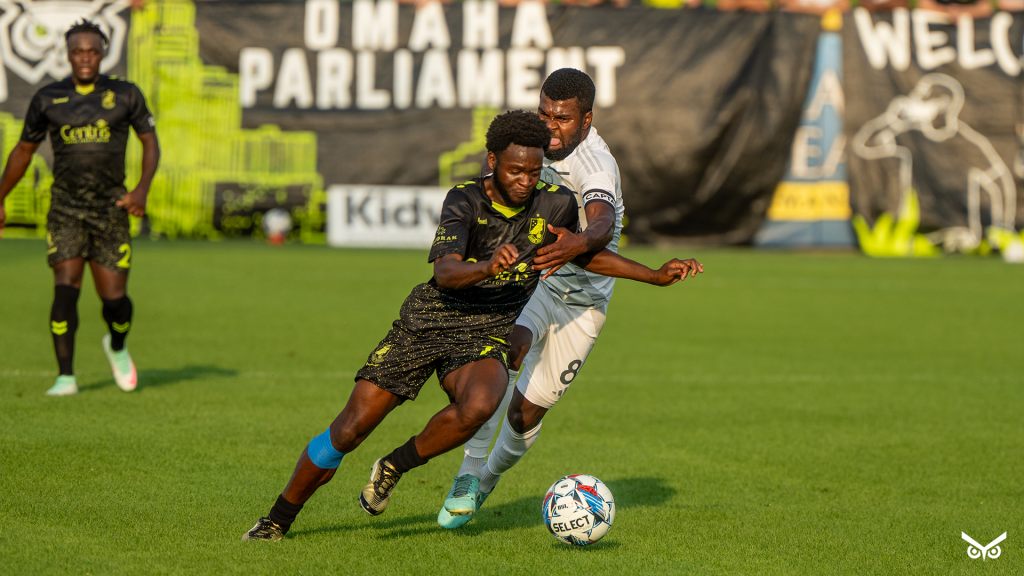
(322,452)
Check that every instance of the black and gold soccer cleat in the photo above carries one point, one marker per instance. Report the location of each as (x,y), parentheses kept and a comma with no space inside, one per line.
(383,477)
(265,529)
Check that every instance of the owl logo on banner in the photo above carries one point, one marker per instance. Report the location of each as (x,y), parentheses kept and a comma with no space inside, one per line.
(32,35)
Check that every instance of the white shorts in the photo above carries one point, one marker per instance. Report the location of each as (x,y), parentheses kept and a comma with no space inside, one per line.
(563,336)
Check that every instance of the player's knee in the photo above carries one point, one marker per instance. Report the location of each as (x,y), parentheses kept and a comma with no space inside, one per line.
(346,436)
(67,276)
(475,413)
(519,345)
(516,420)
(523,420)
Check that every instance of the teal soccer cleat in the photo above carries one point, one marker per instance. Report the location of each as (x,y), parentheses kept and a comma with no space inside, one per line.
(463,502)
(64,386)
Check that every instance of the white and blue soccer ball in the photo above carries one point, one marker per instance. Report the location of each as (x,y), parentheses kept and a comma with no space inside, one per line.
(579,509)
(277,223)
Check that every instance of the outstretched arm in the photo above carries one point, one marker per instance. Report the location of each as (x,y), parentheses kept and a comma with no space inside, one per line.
(451,273)
(17,163)
(608,263)
(135,201)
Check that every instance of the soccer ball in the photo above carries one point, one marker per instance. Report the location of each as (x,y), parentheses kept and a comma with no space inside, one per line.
(579,509)
(277,224)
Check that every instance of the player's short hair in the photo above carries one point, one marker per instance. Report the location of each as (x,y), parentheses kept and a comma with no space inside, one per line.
(85,26)
(569,83)
(517,127)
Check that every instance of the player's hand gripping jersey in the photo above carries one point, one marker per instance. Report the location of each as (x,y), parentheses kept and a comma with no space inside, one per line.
(591,172)
(443,330)
(89,129)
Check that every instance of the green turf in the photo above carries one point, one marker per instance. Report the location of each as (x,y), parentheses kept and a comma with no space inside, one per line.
(783,414)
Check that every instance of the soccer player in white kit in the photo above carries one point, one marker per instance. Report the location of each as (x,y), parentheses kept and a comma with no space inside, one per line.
(559,326)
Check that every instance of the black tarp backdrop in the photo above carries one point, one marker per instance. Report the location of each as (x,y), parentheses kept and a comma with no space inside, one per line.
(941,170)
(706,109)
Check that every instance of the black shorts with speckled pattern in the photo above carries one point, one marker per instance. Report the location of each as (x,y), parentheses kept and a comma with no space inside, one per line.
(99,233)
(429,337)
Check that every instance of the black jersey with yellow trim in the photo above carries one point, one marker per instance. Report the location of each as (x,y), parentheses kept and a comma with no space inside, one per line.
(89,130)
(473,226)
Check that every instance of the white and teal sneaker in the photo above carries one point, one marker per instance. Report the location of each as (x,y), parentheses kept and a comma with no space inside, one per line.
(64,386)
(463,502)
(121,364)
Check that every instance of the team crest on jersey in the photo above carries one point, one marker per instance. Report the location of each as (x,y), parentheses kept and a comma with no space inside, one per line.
(32,34)
(537,226)
(378,355)
(109,100)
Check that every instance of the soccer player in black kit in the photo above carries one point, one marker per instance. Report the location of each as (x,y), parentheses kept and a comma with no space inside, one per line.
(457,324)
(88,116)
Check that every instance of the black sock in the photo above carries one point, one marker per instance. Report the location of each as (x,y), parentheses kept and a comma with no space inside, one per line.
(284,512)
(405,457)
(118,314)
(63,325)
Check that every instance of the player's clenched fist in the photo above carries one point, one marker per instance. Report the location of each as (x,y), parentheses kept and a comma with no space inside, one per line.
(503,258)
(675,270)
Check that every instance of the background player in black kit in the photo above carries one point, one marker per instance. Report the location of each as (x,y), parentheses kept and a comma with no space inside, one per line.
(458,323)
(87,117)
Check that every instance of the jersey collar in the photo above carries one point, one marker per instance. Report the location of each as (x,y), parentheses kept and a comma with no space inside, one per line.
(505,210)
(87,89)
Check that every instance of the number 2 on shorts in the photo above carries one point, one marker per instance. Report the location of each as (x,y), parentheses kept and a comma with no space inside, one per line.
(125,249)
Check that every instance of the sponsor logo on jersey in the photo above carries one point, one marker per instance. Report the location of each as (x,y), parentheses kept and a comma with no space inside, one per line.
(441,238)
(109,100)
(89,134)
(537,226)
(515,275)
(481,221)
(61,100)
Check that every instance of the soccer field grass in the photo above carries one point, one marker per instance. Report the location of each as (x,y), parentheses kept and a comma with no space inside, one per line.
(781,414)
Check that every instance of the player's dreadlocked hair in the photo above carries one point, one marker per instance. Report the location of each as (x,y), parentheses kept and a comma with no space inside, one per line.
(517,127)
(569,83)
(85,26)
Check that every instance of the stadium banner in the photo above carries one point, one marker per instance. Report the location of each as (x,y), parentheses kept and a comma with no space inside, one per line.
(383,216)
(274,102)
(934,122)
(811,206)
